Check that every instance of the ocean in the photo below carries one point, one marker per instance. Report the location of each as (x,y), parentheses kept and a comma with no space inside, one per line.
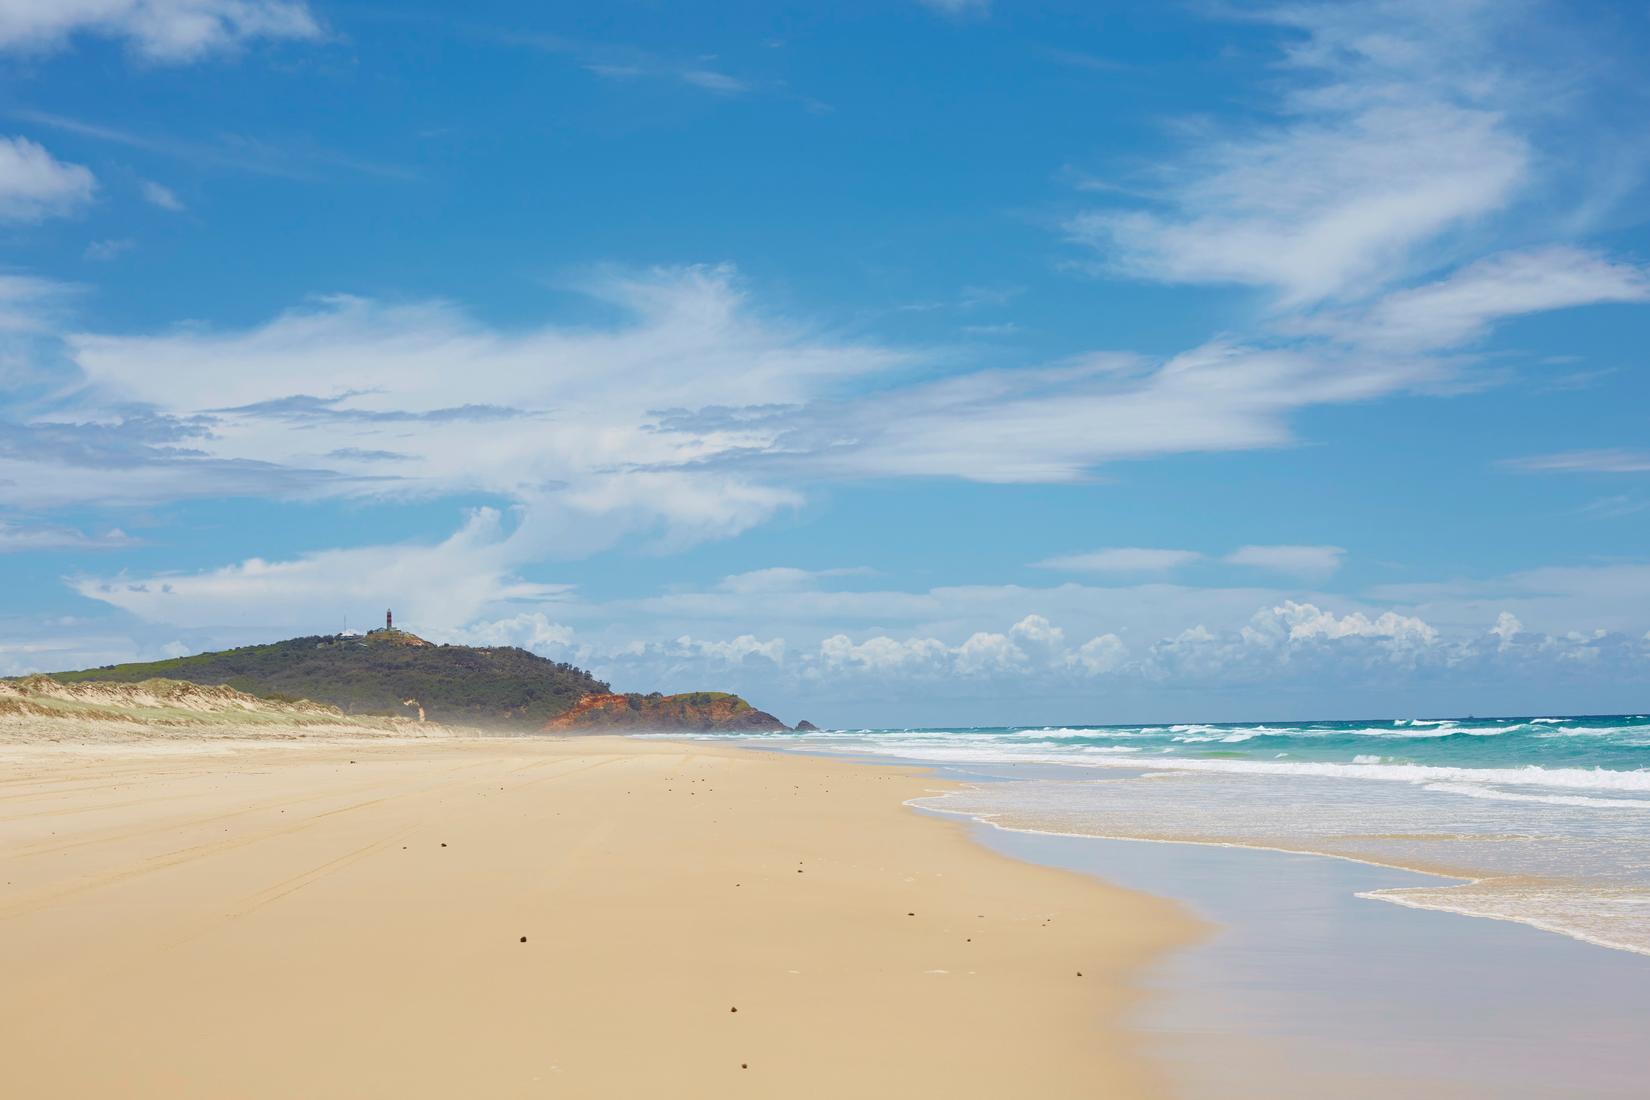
(1540,820)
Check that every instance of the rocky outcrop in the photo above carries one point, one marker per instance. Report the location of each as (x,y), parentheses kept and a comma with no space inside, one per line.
(694,711)
(806,726)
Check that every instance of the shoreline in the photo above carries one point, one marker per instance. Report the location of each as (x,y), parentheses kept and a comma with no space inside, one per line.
(964,777)
(1566,866)
(1391,896)
(265,920)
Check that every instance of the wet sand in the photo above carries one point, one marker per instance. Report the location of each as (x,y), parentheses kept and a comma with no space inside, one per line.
(1306,990)
(348,919)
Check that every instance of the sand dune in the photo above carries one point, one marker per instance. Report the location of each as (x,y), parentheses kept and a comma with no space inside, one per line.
(38,708)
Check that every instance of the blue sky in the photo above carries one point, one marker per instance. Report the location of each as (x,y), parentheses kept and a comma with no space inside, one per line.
(945,362)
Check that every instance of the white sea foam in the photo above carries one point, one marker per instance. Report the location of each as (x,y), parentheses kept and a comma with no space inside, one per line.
(1603,920)
(1530,775)
(1587,731)
(1474,790)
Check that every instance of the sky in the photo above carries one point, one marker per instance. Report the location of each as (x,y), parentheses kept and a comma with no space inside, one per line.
(920,362)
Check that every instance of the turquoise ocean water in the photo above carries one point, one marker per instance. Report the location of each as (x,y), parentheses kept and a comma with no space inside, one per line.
(1543,820)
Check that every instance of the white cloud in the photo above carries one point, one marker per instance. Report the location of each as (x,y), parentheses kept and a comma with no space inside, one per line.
(1552,600)
(35,185)
(1304,561)
(987,654)
(627,63)
(737,650)
(1395,131)
(697,418)
(1301,621)
(1507,627)
(532,630)
(435,588)
(713,81)
(698,415)
(1461,308)
(156,194)
(621,426)
(958,8)
(18,538)
(106,250)
(29,303)
(782,579)
(884,655)
(1101,655)
(299,160)
(1121,559)
(159,30)
(1320,207)
(1614,460)
(1037,633)
(1058,423)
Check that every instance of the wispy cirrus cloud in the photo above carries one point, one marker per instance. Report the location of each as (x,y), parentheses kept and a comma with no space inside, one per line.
(958,8)
(295,159)
(1396,132)
(1463,307)
(1393,132)
(1302,561)
(1608,460)
(110,248)
(156,194)
(565,418)
(1120,559)
(161,31)
(18,538)
(618,61)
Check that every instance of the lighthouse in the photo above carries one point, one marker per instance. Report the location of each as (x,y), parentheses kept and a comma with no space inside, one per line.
(389,621)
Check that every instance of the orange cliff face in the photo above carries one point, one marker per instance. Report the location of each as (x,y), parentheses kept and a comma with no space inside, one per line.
(690,711)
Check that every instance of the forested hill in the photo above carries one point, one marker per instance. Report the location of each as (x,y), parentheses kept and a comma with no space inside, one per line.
(379,673)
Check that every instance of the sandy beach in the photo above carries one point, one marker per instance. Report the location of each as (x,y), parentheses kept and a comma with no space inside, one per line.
(525,917)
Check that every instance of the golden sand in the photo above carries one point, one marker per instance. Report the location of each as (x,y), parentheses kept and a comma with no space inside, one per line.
(347,919)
